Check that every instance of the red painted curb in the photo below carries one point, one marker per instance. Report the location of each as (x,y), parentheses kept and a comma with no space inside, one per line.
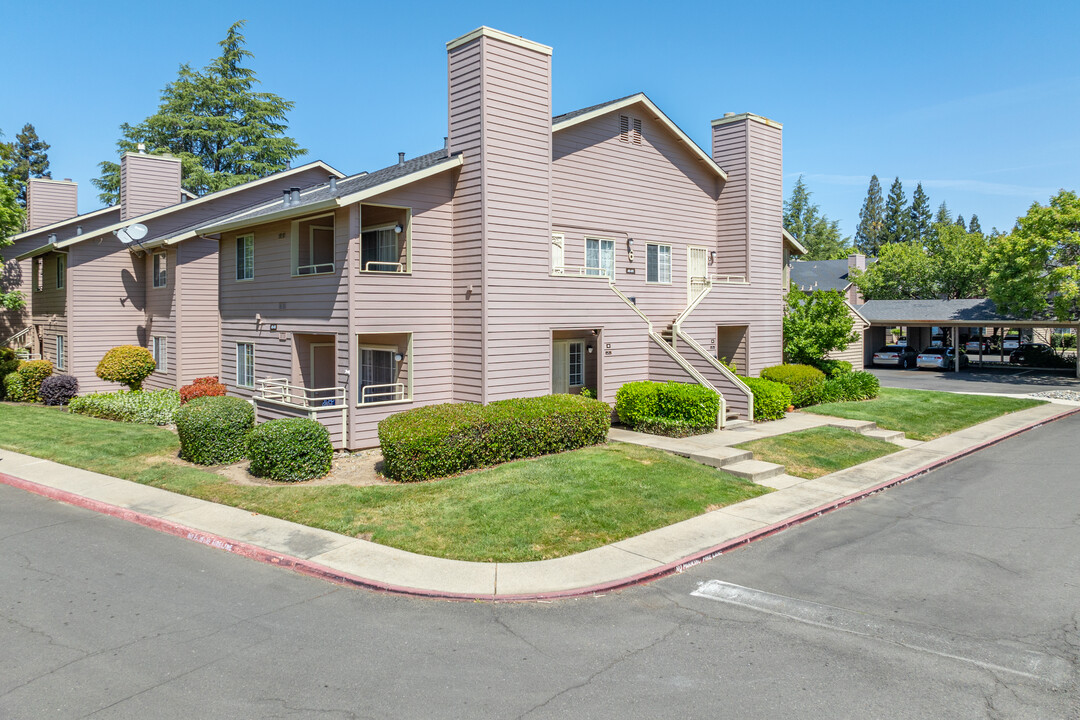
(306,567)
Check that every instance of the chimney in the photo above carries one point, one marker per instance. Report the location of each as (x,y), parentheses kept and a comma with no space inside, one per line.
(856,260)
(749,148)
(148,183)
(333,183)
(286,195)
(401,158)
(50,201)
(294,196)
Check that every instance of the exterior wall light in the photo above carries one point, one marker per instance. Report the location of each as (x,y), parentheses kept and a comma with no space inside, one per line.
(712,257)
(589,348)
(398,229)
(398,357)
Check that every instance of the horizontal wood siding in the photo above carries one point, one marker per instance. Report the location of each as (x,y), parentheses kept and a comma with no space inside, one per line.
(729,149)
(147,183)
(198,337)
(330,419)
(766,201)
(50,201)
(161,319)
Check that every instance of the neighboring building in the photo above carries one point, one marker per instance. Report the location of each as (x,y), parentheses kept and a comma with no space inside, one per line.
(529,255)
(811,275)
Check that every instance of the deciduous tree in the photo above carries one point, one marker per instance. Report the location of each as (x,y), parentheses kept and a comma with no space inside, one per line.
(903,271)
(816,324)
(957,257)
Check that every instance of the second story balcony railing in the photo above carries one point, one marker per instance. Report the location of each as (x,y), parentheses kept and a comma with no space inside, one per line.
(315,269)
(579,271)
(386,392)
(384,266)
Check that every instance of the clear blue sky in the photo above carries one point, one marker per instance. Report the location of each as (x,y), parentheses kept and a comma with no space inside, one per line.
(978,100)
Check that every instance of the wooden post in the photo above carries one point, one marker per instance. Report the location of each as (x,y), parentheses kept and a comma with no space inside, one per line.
(956,348)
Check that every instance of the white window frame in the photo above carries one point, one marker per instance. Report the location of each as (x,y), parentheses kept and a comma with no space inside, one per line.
(660,280)
(558,254)
(596,270)
(248,364)
(61,352)
(578,373)
(406,257)
(313,224)
(245,257)
(61,271)
(161,358)
(160,269)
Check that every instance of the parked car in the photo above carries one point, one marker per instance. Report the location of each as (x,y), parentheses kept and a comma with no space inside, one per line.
(975,346)
(939,358)
(900,356)
(1038,354)
(1010,343)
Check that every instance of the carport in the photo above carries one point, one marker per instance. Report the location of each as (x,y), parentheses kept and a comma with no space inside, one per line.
(949,315)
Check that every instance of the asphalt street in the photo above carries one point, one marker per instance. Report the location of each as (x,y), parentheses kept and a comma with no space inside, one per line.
(991,380)
(954,595)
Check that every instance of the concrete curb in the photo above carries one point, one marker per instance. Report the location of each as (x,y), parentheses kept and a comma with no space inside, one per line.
(307,567)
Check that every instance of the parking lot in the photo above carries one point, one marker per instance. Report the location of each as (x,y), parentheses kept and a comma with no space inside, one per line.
(983,380)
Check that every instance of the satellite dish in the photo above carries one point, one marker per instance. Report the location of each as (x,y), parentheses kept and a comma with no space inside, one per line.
(131,233)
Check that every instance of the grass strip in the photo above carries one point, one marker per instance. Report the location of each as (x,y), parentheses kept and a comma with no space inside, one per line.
(818,451)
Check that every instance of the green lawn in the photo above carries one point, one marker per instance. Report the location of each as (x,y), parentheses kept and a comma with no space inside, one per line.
(818,451)
(925,414)
(526,510)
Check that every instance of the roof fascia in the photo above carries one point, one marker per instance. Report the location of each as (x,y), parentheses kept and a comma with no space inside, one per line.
(402,181)
(53,226)
(793,242)
(658,113)
(36,251)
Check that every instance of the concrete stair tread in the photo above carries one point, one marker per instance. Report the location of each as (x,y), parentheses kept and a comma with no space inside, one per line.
(754,470)
(721,456)
(859,426)
(890,435)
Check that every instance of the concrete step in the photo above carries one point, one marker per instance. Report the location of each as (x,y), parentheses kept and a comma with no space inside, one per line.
(859,426)
(736,424)
(889,435)
(721,457)
(754,470)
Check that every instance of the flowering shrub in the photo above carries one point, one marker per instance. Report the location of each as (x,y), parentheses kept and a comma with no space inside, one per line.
(58,389)
(150,408)
(126,364)
(202,387)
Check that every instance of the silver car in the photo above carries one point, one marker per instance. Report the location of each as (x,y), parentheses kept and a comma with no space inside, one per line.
(939,358)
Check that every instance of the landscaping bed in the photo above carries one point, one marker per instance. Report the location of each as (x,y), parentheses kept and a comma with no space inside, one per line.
(925,414)
(524,510)
(818,451)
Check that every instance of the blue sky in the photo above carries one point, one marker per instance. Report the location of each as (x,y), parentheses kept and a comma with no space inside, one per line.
(978,100)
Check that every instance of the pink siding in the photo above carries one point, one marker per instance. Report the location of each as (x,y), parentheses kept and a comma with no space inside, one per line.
(50,201)
(49,308)
(148,183)
(729,149)
(198,347)
(161,319)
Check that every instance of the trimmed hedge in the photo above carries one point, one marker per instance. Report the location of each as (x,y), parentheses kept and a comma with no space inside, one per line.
(439,440)
(33,374)
(845,388)
(667,408)
(771,399)
(796,377)
(9,363)
(214,430)
(202,387)
(14,387)
(290,450)
(834,368)
(147,407)
(58,389)
(126,364)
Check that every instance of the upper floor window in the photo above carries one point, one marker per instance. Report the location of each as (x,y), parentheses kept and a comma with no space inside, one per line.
(161,270)
(313,246)
(39,273)
(657,263)
(382,249)
(61,270)
(245,257)
(600,257)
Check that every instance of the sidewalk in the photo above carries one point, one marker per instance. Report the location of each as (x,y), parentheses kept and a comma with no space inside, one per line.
(638,559)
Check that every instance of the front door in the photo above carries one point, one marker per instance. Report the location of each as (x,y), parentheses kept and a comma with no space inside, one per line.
(560,366)
(323,368)
(697,272)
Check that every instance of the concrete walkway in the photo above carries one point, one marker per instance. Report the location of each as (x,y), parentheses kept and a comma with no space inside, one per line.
(637,559)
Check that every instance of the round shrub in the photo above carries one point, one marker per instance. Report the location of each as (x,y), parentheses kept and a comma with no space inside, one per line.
(126,364)
(214,430)
(834,368)
(14,387)
(33,374)
(290,450)
(771,399)
(9,363)
(202,387)
(58,389)
(796,377)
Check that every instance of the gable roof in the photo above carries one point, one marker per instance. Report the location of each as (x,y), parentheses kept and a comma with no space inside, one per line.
(318,197)
(77,220)
(810,275)
(566,120)
(976,311)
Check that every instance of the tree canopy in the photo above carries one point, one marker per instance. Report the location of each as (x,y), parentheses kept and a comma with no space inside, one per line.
(871,227)
(921,217)
(1036,267)
(816,324)
(11,223)
(26,157)
(817,233)
(224,132)
(903,271)
(897,215)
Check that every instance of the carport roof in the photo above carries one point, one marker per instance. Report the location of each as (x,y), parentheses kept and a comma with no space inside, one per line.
(946,313)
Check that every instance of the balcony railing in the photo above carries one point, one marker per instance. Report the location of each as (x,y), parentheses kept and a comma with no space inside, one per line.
(282,390)
(315,269)
(383,266)
(386,392)
(579,271)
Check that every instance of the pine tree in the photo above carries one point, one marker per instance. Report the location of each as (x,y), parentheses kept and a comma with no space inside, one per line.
(27,157)
(11,221)
(897,215)
(973,224)
(225,133)
(960,222)
(921,216)
(819,235)
(868,235)
(942,215)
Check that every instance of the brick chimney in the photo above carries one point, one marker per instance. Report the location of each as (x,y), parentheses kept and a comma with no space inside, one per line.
(50,201)
(148,183)
(751,206)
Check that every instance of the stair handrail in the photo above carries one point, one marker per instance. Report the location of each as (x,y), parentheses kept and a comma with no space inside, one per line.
(16,336)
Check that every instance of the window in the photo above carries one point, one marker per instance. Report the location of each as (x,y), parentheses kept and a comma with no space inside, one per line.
(159,350)
(245,365)
(657,263)
(558,254)
(378,375)
(577,363)
(161,270)
(379,249)
(600,257)
(245,257)
(39,274)
(61,268)
(313,246)
(61,356)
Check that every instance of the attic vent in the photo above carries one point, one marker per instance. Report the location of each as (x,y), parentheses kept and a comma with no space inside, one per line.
(629,129)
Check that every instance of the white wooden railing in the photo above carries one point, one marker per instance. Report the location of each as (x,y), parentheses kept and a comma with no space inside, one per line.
(11,341)
(386,392)
(285,391)
(581,271)
(384,266)
(315,269)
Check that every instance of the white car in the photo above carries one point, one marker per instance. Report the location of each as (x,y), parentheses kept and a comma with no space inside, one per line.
(899,356)
(939,358)
(1011,343)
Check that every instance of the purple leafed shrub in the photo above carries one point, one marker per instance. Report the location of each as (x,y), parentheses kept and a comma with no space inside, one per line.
(58,389)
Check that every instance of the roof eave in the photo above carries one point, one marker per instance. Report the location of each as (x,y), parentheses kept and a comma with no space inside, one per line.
(449,164)
(37,251)
(790,239)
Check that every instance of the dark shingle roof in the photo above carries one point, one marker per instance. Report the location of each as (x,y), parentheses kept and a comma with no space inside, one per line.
(811,275)
(582,111)
(976,312)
